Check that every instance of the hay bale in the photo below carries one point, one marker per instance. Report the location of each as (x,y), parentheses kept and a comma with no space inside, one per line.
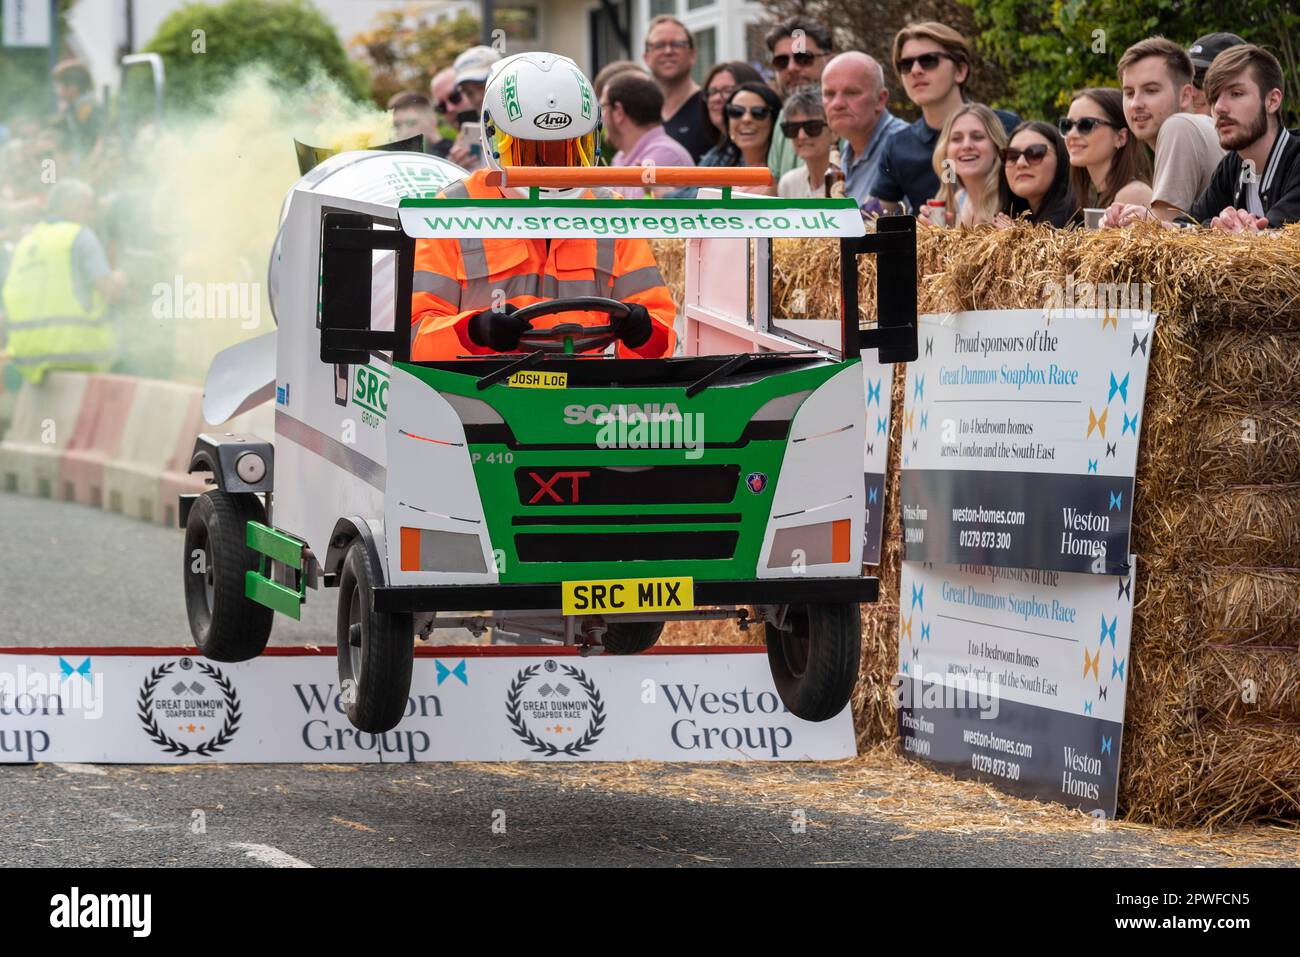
(1242,443)
(1214,777)
(670,255)
(1250,366)
(1249,525)
(1246,606)
(1216,520)
(1234,685)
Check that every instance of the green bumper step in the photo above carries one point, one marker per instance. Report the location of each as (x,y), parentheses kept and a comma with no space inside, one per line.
(282,548)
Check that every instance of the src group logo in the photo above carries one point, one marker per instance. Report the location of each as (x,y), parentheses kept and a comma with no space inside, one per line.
(203,715)
(556,708)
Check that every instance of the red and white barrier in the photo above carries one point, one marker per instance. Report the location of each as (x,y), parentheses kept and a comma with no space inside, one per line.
(163,418)
(96,438)
(111,441)
(45,417)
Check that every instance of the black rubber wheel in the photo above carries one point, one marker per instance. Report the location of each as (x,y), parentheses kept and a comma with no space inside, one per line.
(814,661)
(226,625)
(631,637)
(376,651)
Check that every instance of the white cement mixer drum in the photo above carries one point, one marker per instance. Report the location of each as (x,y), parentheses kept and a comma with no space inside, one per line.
(365,178)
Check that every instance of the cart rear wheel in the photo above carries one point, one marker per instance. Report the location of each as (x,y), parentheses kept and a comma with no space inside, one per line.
(225,623)
(376,651)
(631,637)
(814,660)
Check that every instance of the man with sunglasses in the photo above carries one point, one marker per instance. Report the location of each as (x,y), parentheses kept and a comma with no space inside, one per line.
(471,71)
(538,110)
(934,63)
(446,98)
(800,49)
(670,57)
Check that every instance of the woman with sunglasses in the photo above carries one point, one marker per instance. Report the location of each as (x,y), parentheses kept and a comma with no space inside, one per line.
(1108,164)
(719,84)
(1036,177)
(749,117)
(968,162)
(804,125)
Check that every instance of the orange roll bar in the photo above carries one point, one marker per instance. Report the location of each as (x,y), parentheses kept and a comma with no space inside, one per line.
(585,176)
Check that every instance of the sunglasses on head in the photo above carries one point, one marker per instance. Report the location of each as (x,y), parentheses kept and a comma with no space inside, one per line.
(1085,125)
(781,61)
(813,128)
(736,111)
(1033,154)
(928,61)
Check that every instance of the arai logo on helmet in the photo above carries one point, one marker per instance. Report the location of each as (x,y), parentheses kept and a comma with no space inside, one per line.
(553,120)
(600,414)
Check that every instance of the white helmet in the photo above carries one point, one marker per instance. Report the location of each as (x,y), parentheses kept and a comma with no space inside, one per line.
(539,110)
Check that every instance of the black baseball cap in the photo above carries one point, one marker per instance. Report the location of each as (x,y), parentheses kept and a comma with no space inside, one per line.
(1204,50)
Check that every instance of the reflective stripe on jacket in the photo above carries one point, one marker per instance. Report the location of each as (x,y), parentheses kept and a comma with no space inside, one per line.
(46,324)
(456,278)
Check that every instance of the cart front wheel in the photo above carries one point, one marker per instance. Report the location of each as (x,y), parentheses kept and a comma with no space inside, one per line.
(376,651)
(226,625)
(814,659)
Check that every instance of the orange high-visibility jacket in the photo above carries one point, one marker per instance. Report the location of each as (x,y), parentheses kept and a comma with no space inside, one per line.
(456,278)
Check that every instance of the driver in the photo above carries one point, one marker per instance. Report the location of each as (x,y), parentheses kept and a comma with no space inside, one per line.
(538,110)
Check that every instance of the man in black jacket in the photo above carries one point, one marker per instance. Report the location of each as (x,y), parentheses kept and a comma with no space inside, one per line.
(1257,184)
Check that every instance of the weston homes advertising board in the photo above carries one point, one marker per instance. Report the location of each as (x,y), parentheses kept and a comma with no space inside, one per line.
(122,705)
(1017,677)
(1020,438)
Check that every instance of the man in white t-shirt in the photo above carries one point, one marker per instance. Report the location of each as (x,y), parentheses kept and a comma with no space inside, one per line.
(1156,76)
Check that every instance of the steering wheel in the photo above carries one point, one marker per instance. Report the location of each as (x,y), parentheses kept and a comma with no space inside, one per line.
(570,337)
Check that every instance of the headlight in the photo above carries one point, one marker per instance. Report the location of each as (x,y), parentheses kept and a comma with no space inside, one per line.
(250,467)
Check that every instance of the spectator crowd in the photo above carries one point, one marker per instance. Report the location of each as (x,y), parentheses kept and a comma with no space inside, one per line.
(1186,138)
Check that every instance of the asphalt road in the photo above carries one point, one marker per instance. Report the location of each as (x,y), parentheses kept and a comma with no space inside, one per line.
(71,575)
(76,576)
(472,815)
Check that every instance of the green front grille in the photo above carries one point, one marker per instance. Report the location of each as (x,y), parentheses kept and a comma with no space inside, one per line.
(545,444)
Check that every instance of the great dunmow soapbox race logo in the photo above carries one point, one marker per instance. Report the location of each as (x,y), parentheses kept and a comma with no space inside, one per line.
(555,709)
(204,715)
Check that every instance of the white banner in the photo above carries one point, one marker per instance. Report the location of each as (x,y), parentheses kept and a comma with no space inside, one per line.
(142,706)
(1017,676)
(1020,437)
(620,219)
(1023,390)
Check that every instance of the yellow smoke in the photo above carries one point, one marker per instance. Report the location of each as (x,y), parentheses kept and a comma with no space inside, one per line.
(214,183)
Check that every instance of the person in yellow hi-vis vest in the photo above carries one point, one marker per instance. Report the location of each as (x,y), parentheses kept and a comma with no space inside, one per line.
(57,289)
